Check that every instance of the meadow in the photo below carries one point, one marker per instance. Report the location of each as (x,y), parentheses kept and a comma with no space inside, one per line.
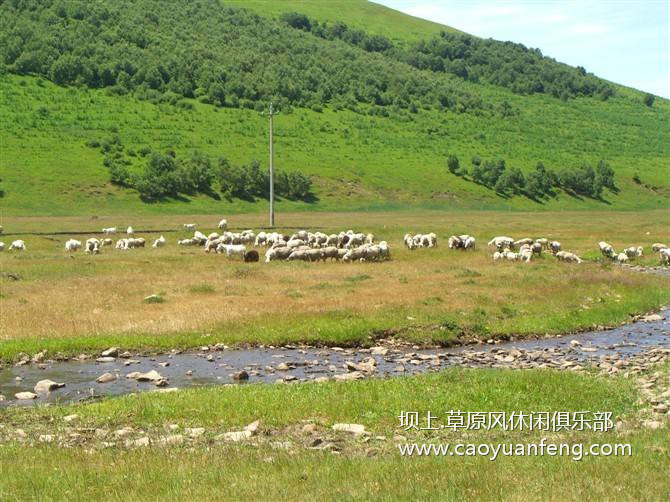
(355,161)
(282,461)
(428,295)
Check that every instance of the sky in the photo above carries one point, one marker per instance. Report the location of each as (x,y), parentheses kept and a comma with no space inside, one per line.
(625,41)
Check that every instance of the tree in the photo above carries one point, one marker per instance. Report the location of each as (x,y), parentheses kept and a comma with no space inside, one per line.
(453,164)
(605,176)
(649,99)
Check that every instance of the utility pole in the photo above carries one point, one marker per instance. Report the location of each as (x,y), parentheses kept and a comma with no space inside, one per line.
(272,176)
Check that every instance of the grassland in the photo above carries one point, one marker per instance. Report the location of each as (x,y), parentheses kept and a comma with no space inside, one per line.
(355,161)
(436,295)
(279,460)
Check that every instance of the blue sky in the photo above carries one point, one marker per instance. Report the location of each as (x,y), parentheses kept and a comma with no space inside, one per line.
(625,41)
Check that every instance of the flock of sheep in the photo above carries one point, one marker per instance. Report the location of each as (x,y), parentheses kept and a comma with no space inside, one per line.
(345,246)
(607,250)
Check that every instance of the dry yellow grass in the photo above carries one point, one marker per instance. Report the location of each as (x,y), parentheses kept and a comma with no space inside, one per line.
(61,296)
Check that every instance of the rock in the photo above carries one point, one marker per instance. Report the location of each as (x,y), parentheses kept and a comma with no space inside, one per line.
(107,359)
(24,396)
(164,364)
(2,398)
(253,426)
(235,436)
(651,318)
(46,438)
(194,432)
(589,349)
(189,373)
(120,433)
(575,343)
(652,424)
(316,442)
(367,366)
(70,418)
(210,358)
(149,376)
(111,352)
(172,439)
(309,428)
(354,375)
(661,408)
(379,351)
(138,443)
(39,356)
(356,429)
(105,378)
(241,375)
(282,367)
(45,386)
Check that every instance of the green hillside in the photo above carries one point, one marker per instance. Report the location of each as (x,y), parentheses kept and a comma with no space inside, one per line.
(370,124)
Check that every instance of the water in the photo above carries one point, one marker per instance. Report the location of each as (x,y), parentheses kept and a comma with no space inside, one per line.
(80,376)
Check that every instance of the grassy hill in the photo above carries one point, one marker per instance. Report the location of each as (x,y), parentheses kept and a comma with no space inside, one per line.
(359,157)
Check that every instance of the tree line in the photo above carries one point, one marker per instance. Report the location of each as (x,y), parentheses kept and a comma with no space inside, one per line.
(506,64)
(170,49)
(164,175)
(540,183)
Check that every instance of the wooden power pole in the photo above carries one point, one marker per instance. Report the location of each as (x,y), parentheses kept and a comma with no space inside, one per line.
(271,113)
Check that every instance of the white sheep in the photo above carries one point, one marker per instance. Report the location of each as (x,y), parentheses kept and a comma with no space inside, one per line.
(72,245)
(109,231)
(130,231)
(622,258)
(664,254)
(223,224)
(159,243)
(634,252)
(232,250)
(92,246)
(189,226)
(106,242)
(2,246)
(501,242)
(554,246)
(521,242)
(17,245)
(568,257)
(657,246)
(607,250)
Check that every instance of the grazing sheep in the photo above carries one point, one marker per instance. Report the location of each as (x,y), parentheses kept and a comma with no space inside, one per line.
(622,258)
(212,244)
(17,245)
(657,246)
(2,246)
(185,242)
(501,242)
(199,238)
(554,247)
(634,252)
(1,230)
(329,252)
(664,254)
(159,243)
(189,226)
(130,231)
(536,247)
(72,245)
(526,253)
(212,236)
(122,244)
(251,256)
(232,250)
(568,257)
(106,242)
(543,242)
(295,242)
(409,242)
(498,256)
(261,239)
(92,246)
(384,251)
(355,254)
(454,242)
(298,254)
(223,224)
(109,231)
(277,253)
(607,250)
(521,242)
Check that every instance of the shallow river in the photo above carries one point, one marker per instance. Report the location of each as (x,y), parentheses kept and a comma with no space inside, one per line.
(191,369)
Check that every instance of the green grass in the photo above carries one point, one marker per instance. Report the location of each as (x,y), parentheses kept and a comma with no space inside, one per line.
(220,471)
(356,161)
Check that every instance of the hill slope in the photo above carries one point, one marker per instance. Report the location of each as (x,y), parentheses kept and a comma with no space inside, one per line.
(362,150)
